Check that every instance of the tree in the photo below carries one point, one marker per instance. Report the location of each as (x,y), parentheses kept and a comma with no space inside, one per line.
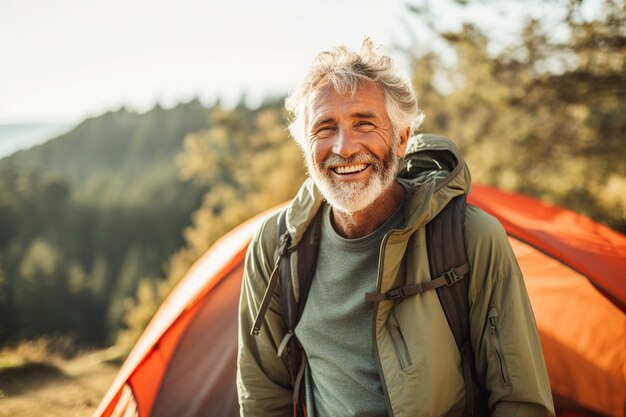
(542,116)
(249,164)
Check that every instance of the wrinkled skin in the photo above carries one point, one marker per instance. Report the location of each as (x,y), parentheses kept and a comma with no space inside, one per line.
(352,153)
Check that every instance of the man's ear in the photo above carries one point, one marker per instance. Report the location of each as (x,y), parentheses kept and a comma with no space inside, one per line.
(403,140)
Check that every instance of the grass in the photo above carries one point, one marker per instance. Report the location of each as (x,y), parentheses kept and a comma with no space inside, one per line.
(44,379)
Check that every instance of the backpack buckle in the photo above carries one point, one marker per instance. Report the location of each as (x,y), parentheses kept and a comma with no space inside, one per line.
(283,244)
(396,293)
(451,276)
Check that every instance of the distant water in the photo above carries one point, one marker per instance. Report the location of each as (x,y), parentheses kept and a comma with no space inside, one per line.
(14,137)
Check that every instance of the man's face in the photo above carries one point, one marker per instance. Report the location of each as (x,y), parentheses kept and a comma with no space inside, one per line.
(352,154)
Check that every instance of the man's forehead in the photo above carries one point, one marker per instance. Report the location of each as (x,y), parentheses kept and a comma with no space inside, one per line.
(327,98)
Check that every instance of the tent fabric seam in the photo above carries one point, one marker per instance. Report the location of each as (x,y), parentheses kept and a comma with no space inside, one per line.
(603,290)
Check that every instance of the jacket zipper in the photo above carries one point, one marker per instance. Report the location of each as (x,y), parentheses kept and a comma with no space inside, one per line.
(495,337)
(399,343)
(379,280)
(383,383)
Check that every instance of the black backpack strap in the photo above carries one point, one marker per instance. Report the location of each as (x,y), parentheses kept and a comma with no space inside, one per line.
(448,264)
(296,274)
(282,250)
(447,257)
(447,278)
(291,277)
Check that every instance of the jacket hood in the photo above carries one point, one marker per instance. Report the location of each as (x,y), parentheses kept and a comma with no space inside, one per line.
(433,170)
(436,173)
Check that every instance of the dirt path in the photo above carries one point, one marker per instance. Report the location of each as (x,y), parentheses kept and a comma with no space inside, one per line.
(72,389)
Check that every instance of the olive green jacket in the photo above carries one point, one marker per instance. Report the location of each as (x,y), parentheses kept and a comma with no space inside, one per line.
(419,365)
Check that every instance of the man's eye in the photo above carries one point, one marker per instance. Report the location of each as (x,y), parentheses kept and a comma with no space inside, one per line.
(325,129)
(364,124)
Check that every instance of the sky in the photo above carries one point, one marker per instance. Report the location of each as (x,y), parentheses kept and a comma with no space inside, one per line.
(64,60)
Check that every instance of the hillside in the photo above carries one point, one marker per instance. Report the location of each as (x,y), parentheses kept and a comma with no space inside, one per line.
(85,216)
(90,215)
(16,136)
(120,157)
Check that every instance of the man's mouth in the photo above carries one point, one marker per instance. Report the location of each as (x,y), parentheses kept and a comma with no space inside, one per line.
(349,169)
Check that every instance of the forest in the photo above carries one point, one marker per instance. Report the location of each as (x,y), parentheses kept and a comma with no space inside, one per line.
(98,224)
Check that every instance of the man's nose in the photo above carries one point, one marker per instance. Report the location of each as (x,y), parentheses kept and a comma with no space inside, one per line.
(345,143)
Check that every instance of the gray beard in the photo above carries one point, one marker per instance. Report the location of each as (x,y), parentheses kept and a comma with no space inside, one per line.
(354,196)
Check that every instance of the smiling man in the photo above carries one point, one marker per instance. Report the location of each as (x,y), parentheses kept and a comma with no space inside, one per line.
(352,155)
(364,329)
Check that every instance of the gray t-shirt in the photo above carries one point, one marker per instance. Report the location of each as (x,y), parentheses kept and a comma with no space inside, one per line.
(336,325)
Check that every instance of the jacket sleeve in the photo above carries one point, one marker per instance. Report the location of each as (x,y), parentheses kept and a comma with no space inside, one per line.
(509,359)
(263,381)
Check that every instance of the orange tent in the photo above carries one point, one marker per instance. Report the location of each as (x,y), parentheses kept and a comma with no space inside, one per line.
(184,364)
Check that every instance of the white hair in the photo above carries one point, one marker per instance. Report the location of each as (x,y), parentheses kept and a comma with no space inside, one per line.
(349,71)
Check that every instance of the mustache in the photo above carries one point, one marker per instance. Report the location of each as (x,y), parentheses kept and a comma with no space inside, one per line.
(363,158)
